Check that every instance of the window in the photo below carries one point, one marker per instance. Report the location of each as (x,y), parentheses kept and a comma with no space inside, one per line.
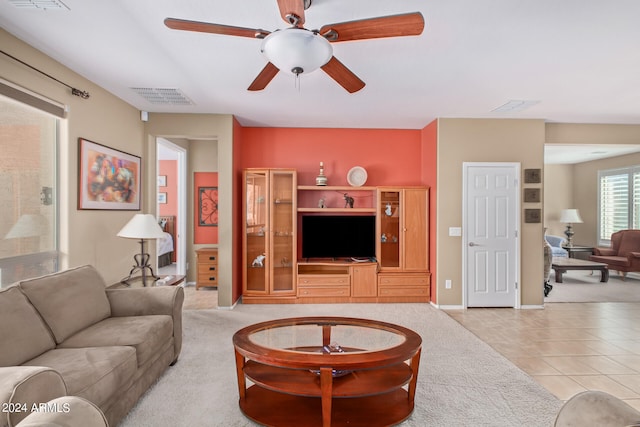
(619,201)
(28,220)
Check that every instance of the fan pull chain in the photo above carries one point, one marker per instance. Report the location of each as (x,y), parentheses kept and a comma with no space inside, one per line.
(297,82)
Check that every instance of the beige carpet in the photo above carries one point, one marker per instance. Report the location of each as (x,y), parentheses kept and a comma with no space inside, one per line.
(582,286)
(462,381)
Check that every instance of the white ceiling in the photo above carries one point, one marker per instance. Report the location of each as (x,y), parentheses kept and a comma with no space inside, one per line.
(577,60)
(574,153)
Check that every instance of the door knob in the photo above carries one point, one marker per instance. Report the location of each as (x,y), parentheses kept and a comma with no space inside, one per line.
(473,244)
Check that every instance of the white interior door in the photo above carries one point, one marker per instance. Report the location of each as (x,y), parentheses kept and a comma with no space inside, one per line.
(491,225)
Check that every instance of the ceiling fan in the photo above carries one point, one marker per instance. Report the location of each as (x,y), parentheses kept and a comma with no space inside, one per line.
(298,50)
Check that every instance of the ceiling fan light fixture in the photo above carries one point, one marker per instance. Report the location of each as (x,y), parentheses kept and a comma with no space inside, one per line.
(296,50)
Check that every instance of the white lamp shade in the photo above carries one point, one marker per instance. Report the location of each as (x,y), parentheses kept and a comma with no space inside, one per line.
(570,216)
(142,226)
(28,225)
(296,50)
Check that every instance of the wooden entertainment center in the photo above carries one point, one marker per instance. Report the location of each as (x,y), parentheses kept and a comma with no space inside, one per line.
(273,205)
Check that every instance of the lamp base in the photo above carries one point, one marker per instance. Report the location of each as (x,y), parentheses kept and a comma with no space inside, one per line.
(142,264)
(569,233)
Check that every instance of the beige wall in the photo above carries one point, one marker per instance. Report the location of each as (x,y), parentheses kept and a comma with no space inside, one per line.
(86,237)
(203,132)
(558,195)
(484,140)
(582,189)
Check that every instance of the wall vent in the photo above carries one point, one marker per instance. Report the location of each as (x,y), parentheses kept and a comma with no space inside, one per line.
(168,96)
(40,4)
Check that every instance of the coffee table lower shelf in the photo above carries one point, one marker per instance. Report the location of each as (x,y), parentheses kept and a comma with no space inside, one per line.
(272,408)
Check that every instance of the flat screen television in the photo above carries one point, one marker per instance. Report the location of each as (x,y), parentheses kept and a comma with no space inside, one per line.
(338,236)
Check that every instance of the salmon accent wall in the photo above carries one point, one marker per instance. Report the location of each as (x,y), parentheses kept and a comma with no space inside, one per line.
(429,177)
(390,156)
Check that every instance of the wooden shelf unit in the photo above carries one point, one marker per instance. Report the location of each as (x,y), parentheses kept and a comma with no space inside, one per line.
(310,195)
(274,205)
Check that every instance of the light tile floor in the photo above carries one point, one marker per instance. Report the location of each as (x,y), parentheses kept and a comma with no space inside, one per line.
(567,347)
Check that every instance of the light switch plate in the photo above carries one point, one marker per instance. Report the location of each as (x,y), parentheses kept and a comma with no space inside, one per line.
(455,231)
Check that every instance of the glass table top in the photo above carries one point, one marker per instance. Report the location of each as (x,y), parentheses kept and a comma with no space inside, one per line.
(311,338)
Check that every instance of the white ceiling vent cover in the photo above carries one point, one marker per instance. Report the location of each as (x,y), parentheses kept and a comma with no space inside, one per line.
(40,4)
(163,95)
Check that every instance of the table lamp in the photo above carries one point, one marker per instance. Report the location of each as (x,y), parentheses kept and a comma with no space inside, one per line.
(141,226)
(569,217)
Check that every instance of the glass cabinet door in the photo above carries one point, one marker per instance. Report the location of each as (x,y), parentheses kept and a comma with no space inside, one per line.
(390,235)
(256,229)
(283,227)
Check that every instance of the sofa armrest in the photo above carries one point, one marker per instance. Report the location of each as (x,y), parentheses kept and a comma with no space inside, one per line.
(596,408)
(604,252)
(166,300)
(68,411)
(23,388)
(633,256)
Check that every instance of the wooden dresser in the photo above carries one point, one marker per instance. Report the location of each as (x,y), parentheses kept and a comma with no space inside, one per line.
(207,267)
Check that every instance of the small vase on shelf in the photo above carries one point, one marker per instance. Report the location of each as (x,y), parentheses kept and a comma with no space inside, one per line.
(321,179)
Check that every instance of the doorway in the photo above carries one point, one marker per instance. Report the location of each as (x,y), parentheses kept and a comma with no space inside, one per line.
(491,223)
(171,159)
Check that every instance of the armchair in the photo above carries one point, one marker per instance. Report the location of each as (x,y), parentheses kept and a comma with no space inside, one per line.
(556,246)
(624,253)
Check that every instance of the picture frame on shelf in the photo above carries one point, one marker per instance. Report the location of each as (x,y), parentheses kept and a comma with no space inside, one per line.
(108,179)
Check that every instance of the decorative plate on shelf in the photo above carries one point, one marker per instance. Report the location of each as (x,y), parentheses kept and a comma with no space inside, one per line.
(357,176)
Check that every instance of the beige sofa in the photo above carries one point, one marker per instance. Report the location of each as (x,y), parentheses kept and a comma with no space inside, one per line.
(66,334)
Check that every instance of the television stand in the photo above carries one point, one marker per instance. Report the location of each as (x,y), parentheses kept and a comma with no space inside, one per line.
(339,281)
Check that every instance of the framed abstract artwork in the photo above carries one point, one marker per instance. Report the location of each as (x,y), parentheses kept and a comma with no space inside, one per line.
(108,179)
(208,206)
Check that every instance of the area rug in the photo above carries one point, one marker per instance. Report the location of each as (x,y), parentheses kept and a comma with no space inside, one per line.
(462,381)
(582,286)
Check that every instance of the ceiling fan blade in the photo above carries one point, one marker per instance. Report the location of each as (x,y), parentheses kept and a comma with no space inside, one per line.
(266,75)
(206,27)
(408,24)
(344,76)
(292,7)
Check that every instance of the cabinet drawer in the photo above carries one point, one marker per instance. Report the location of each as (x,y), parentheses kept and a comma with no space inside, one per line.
(403,291)
(208,257)
(208,268)
(323,279)
(207,279)
(323,291)
(403,280)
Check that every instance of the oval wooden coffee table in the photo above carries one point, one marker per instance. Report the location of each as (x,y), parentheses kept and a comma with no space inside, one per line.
(327,371)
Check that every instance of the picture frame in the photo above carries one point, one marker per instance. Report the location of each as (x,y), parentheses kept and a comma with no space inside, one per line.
(162,198)
(162,181)
(531,195)
(108,179)
(208,206)
(532,216)
(533,176)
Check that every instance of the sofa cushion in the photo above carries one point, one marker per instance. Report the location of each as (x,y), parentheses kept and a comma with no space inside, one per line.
(69,301)
(23,333)
(95,373)
(147,334)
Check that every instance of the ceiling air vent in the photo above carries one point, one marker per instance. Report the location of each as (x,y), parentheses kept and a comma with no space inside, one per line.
(40,4)
(163,95)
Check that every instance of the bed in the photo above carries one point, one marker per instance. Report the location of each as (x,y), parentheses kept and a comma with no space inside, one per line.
(167,245)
